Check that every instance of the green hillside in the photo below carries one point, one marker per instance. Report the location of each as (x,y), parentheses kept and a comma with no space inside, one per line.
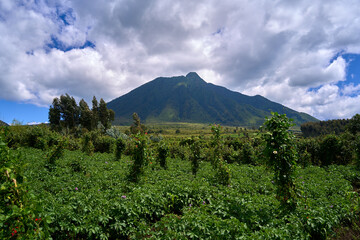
(190,99)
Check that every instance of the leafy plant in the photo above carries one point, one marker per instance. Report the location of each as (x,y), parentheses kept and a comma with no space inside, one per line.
(223,172)
(119,149)
(88,146)
(139,156)
(281,155)
(20,215)
(195,157)
(163,152)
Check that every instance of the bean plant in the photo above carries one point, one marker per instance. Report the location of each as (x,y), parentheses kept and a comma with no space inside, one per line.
(218,163)
(195,157)
(88,146)
(281,154)
(163,152)
(119,149)
(139,156)
(20,216)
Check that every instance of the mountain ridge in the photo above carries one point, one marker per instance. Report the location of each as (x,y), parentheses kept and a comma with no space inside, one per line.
(190,99)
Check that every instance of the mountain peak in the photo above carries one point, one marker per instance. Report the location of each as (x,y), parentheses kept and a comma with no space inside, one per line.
(193,75)
(191,99)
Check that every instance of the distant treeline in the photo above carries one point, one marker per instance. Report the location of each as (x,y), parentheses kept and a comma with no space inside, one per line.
(338,126)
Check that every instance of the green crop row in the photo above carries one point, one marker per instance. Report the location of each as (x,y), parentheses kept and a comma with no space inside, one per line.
(89,197)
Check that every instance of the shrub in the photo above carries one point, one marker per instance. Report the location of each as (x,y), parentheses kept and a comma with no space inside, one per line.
(334,151)
(247,154)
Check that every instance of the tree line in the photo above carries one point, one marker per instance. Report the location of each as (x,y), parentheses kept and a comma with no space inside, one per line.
(338,126)
(64,113)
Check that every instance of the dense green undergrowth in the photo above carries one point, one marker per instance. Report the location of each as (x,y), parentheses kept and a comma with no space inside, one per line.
(89,197)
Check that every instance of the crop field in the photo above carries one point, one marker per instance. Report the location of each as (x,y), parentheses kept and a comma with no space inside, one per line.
(158,187)
(89,197)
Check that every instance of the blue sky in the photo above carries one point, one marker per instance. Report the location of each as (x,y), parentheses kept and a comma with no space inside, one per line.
(24,113)
(304,55)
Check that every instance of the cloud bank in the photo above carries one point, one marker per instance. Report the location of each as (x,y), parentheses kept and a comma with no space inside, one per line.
(290,52)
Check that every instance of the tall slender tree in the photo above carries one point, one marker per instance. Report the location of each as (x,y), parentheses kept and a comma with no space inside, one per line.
(85,115)
(55,114)
(95,115)
(69,111)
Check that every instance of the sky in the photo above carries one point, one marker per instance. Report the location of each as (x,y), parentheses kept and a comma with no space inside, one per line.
(303,54)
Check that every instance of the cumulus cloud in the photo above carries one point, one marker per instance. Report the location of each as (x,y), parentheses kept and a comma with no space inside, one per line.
(289,52)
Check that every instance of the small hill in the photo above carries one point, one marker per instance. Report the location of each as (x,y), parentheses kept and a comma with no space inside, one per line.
(190,99)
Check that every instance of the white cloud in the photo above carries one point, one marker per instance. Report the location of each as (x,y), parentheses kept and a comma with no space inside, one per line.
(278,49)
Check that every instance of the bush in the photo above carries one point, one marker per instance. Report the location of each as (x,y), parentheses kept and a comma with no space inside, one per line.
(247,154)
(334,150)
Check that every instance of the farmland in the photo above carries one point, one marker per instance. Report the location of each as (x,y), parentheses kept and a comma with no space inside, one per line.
(73,193)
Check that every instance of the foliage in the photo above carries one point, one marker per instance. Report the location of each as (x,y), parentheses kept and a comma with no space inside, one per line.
(216,144)
(139,157)
(64,113)
(119,149)
(223,172)
(105,115)
(91,197)
(20,213)
(97,203)
(56,153)
(88,146)
(195,157)
(137,127)
(85,118)
(281,155)
(247,154)
(357,150)
(163,152)
(104,144)
(354,124)
(333,151)
(314,129)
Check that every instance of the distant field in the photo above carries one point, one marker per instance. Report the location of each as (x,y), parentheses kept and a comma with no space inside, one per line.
(170,129)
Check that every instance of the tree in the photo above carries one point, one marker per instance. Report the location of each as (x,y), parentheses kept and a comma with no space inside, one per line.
(137,127)
(354,124)
(105,115)
(85,115)
(64,112)
(69,111)
(55,114)
(94,111)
